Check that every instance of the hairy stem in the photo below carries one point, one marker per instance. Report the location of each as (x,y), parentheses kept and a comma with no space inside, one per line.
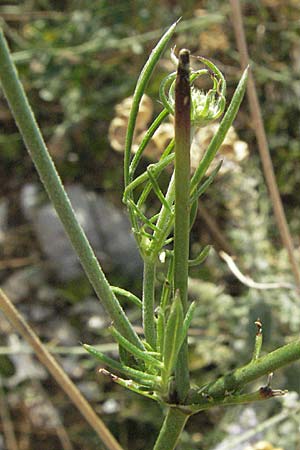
(37,149)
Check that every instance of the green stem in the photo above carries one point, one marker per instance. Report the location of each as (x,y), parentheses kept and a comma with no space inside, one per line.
(164,222)
(236,379)
(182,210)
(37,149)
(149,301)
(170,432)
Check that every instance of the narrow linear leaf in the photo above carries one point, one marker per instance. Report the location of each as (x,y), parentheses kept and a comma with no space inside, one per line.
(148,135)
(173,335)
(193,213)
(137,211)
(159,167)
(148,187)
(128,295)
(139,91)
(125,370)
(216,71)
(187,321)
(221,133)
(160,327)
(131,385)
(156,188)
(204,186)
(165,84)
(201,257)
(140,354)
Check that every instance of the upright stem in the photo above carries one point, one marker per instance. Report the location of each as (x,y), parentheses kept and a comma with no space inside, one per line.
(182,210)
(173,425)
(37,149)
(148,301)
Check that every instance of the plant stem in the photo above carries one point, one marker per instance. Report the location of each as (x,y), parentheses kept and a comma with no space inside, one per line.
(37,149)
(182,210)
(173,425)
(148,301)
(255,369)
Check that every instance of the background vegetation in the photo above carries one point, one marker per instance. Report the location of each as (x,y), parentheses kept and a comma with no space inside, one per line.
(78,60)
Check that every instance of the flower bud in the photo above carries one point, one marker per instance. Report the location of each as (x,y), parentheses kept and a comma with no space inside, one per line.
(205,106)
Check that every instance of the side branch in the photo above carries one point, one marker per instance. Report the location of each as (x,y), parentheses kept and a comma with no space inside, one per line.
(236,379)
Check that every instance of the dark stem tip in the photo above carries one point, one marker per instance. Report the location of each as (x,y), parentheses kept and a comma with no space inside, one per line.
(184,59)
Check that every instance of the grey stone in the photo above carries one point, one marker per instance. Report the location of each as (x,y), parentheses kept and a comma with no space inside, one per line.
(107,228)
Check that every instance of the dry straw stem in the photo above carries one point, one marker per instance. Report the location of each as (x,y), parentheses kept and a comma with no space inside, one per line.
(57,372)
(247,281)
(7,423)
(262,140)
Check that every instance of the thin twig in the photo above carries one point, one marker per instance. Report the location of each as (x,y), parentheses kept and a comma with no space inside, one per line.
(57,372)
(262,140)
(247,281)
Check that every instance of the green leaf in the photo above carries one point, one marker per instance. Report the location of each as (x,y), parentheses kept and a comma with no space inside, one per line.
(220,135)
(173,335)
(204,186)
(148,135)
(160,327)
(128,371)
(201,257)
(140,354)
(138,388)
(139,91)
(128,295)
(187,321)
(157,169)
(152,177)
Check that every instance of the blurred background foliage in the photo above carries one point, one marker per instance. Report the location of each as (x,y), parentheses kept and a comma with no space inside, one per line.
(78,60)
